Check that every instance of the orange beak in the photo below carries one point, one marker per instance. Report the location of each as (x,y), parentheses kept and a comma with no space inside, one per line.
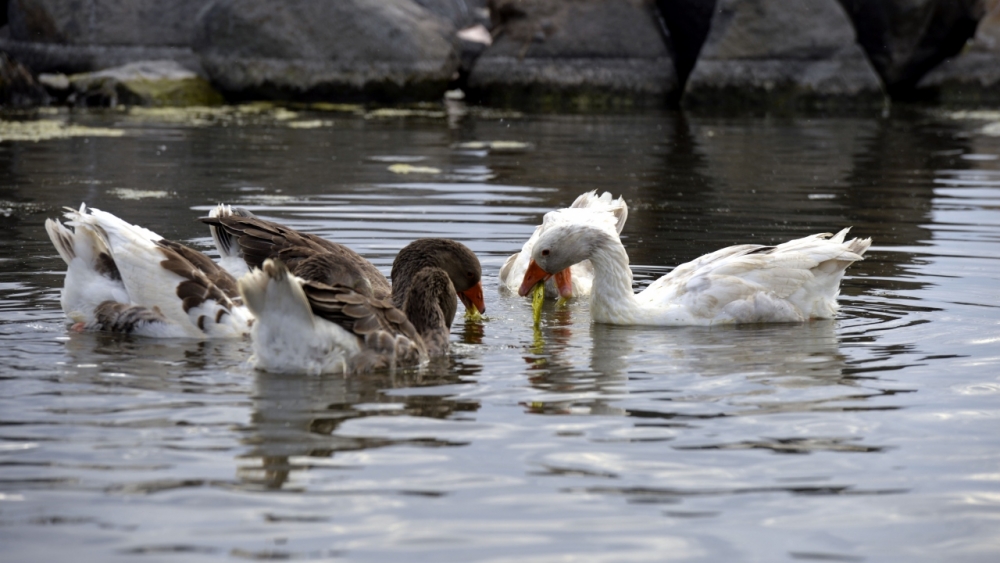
(533,276)
(565,284)
(474,297)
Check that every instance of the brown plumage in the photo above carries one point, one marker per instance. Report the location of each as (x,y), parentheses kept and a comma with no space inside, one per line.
(260,239)
(204,279)
(412,327)
(455,259)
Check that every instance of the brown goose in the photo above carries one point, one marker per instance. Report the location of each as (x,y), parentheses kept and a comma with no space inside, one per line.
(310,326)
(257,239)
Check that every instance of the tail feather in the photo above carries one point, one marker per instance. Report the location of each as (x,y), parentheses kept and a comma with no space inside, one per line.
(62,238)
(224,241)
(616,207)
(273,290)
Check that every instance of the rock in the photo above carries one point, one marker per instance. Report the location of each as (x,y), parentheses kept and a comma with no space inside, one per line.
(586,54)
(348,49)
(146,83)
(54,58)
(905,39)
(72,36)
(779,55)
(104,22)
(972,77)
(461,13)
(18,88)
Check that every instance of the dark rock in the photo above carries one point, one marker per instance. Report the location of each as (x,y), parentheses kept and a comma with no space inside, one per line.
(973,77)
(348,49)
(18,88)
(146,83)
(52,57)
(688,22)
(461,13)
(586,54)
(105,22)
(779,55)
(905,39)
(73,36)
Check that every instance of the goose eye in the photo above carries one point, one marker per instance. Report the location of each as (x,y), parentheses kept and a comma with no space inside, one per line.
(470,275)
(545,252)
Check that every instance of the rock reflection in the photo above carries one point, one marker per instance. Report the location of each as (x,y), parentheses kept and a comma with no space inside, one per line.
(297,417)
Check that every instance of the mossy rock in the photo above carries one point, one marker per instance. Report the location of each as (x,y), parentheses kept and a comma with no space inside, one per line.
(166,92)
(149,83)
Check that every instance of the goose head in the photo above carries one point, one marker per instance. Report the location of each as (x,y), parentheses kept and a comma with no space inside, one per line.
(460,263)
(559,248)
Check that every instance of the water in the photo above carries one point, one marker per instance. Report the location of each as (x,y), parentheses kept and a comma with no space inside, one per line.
(872,437)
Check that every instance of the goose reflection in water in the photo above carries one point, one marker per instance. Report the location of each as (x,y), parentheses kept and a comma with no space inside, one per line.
(640,371)
(295,418)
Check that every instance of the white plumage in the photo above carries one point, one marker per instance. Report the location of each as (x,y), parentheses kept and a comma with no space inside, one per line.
(794,281)
(124,278)
(288,337)
(588,208)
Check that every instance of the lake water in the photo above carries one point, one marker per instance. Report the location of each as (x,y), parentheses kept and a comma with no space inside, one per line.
(872,437)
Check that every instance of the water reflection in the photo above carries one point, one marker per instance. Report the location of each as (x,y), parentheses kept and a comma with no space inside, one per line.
(295,419)
(598,442)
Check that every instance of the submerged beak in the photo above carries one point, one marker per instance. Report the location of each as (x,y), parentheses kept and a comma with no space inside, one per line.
(565,284)
(534,275)
(473,297)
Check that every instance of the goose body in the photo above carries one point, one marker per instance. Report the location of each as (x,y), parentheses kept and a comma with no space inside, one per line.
(340,325)
(240,236)
(795,281)
(588,208)
(124,278)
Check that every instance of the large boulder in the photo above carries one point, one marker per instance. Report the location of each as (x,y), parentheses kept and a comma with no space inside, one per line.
(973,77)
(85,35)
(104,22)
(584,54)
(343,49)
(905,39)
(777,54)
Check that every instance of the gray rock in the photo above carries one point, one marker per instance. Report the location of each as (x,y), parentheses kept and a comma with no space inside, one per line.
(146,83)
(461,13)
(776,54)
(904,39)
(973,77)
(104,22)
(587,54)
(53,57)
(383,49)
(72,36)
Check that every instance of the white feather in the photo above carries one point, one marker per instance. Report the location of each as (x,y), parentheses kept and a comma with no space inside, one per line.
(588,208)
(230,256)
(143,282)
(287,337)
(795,281)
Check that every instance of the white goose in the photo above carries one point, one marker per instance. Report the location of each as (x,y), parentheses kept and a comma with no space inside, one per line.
(791,282)
(576,280)
(124,278)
